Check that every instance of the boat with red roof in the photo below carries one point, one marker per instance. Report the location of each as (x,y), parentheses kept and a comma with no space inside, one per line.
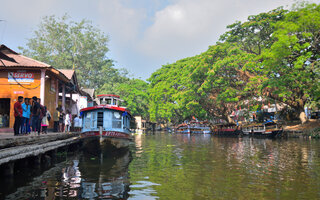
(107,120)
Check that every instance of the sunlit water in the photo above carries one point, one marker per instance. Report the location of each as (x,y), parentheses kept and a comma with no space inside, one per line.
(167,166)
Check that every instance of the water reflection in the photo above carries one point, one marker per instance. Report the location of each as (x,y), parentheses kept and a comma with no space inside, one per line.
(105,178)
(165,166)
(205,167)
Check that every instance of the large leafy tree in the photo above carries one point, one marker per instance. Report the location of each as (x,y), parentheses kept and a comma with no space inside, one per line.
(66,44)
(224,84)
(255,34)
(291,64)
(172,98)
(134,92)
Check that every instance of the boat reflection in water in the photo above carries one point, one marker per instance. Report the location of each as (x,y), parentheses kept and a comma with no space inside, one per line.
(105,178)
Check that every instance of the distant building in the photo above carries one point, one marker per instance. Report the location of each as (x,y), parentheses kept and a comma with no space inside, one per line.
(23,76)
(144,125)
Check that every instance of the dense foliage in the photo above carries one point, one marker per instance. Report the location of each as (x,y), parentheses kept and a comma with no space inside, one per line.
(273,56)
(66,44)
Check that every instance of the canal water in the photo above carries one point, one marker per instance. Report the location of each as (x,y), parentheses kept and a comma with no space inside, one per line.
(169,166)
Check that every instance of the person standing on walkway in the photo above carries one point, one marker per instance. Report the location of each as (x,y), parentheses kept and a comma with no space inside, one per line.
(18,116)
(42,114)
(35,110)
(45,120)
(61,121)
(56,115)
(67,122)
(76,124)
(26,111)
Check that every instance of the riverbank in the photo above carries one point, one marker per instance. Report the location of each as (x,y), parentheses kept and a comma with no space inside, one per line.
(310,129)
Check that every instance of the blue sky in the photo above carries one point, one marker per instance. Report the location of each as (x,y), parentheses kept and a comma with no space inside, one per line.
(144,34)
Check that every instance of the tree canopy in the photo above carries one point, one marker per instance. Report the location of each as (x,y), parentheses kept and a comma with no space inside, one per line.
(66,44)
(273,55)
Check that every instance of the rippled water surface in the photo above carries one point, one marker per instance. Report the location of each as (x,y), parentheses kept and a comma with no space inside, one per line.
(166,166)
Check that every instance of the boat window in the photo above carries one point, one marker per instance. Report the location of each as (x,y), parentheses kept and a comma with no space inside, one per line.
(87,120)
(125,124)
(93,120)
(116,120)
(100,119)
(88,115)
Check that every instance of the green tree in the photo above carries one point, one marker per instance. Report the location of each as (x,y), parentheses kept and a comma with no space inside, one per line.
(66,44)
(221,79)
(291,64)
(134,92)
(172,98)
(255,34)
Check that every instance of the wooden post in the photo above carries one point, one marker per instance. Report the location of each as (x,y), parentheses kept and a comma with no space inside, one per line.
(57,93)
(63,97)
(9,169)
(42,85)
(37,160)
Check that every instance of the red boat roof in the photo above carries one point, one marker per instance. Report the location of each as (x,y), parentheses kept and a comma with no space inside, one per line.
(110,107)
(108,95)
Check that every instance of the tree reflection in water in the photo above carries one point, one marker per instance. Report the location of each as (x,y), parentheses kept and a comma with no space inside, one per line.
(184,167)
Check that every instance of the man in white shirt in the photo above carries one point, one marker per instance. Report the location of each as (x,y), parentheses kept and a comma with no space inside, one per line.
(77,123)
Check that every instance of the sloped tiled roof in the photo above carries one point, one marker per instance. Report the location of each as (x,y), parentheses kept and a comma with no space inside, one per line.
(67,72)
(9,58)
(90,92)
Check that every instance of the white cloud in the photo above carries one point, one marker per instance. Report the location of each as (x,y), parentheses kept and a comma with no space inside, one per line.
(188,27)
(144,34)
(121,22)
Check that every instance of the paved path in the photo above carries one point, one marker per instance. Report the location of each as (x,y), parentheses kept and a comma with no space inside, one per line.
(8,140)
(11,135)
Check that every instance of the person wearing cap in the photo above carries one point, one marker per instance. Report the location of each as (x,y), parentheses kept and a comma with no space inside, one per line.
(18,116)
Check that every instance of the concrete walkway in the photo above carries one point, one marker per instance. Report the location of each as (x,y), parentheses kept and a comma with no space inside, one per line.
(9,140)
(11,134)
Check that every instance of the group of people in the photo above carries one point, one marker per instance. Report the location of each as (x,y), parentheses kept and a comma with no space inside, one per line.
(63,121)
(32,117)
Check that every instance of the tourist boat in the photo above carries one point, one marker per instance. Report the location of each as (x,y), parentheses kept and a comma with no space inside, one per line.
(183,128)
(108,121)
(229,129)
(269,129)
(194,127)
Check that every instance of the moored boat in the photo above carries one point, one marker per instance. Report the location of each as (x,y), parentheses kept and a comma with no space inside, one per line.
(201,127)
(183,128)
(228,129)
(194,127)
(269,129)
(108,121)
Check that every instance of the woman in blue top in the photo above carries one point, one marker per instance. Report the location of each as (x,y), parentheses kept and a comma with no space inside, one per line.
(26,111)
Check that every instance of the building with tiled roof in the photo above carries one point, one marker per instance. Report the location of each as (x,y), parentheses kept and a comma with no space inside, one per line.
(23,76)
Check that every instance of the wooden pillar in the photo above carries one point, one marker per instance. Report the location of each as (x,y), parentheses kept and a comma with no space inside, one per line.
(9,169)
(64,97)
(70,103)
(37,160)
(53,155)
(57,93)
(42,85)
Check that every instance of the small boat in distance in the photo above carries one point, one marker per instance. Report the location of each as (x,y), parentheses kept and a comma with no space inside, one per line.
(194,127)
(229,129)
(269,129)
(183,128)
(108,121)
